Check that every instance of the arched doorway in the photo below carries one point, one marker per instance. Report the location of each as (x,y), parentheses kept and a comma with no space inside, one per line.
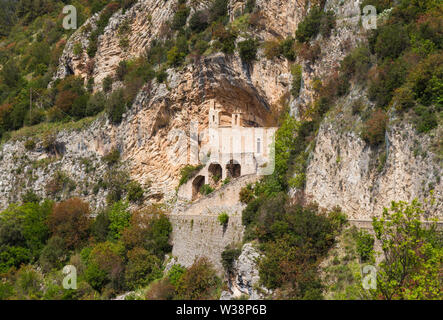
(198,182)
(215,172)
(234,169)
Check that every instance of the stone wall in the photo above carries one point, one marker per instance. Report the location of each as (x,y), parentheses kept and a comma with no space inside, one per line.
(197,231)
(195,236)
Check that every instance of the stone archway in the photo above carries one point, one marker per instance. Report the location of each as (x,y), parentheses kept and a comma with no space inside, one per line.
(215,172)
(234,169)
(198,182)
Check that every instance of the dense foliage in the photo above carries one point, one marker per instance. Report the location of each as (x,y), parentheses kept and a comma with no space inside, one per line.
(114,252)
(404,62)
(413,255)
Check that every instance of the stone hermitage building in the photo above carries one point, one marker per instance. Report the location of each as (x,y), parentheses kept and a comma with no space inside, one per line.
(230,151)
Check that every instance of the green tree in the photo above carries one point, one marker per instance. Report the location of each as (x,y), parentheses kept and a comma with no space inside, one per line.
(199,282)
(413,254)
(142,268)
(119,217)
(248,50)
(10,74)
(70,221)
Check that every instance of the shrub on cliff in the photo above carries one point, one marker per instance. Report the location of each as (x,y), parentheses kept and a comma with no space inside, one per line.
(199,21)
(206,189)
(112,157)
(218,10)
(107,84)
(248,50)
(375,127)
(142,268)
(116,106)
(223,219)
(297,79)
(229,255)
(316,21)
(188,172)
(180,17)
(135,192)
(247,194)
(119,217)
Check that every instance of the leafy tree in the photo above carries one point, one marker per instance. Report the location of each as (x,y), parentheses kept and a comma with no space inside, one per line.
(161,290)
(175,273)
(229,255)
(105,265)
(10,74)
(119,217)
(12,256)
(199,282)
(70,221)
(149,229)
(413,256)
(365,246)
(199,21)
(218,10)
(53,254)
(116,106)
(135,192)
(25,226)
(248,50)
(100,226)
(375,127)
(142,268)
(95,104)
(391,41)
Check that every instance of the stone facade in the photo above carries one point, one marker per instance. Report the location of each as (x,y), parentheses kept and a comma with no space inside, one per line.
(229,151)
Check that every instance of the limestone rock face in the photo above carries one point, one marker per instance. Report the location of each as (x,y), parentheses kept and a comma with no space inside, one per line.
(147,136)
(146,20)
(78,159)
(343,172)
(245,276)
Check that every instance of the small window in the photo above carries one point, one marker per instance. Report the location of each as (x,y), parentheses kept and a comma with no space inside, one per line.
(258,145)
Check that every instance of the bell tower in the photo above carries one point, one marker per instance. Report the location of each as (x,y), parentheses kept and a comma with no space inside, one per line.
(214,117)
(236,119)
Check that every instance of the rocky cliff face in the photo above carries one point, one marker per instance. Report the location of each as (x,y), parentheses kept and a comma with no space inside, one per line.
(145,19)
(147,135)
(345,172)
(245,278)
